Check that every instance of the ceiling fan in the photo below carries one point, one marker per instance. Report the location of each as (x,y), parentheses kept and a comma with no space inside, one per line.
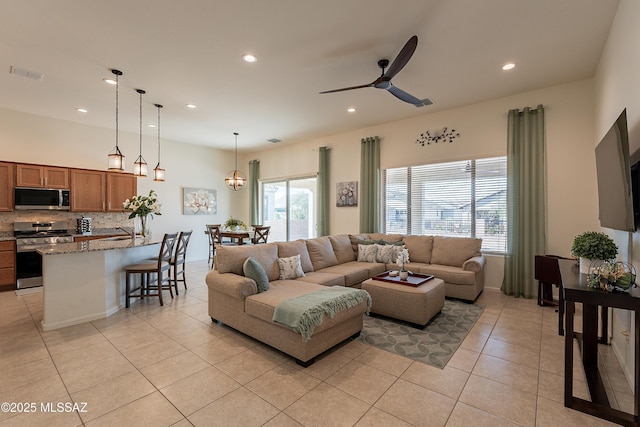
(384,81)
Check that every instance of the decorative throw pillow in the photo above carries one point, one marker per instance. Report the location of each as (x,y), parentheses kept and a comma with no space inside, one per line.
(290,268)
(254,270)
(386,254)
(367,253)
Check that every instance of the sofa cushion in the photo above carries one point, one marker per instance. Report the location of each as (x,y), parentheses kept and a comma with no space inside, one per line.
(389,238)
(342,248)
(290,267)
(419,247)
(229,259)
(253,270)
(449,274)
(296,247)
(321,253)
(355,240)
(388,253)
(352,273)
(374,268)
(324,279)
(454,251)
(367,253)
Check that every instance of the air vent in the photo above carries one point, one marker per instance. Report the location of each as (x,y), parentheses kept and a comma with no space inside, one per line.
(34,75)
(274,140)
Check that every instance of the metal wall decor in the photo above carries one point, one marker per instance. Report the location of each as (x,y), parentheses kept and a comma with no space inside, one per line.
(439,135)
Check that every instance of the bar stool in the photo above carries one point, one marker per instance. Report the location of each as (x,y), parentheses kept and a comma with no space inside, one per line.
(178,260)
(160,267)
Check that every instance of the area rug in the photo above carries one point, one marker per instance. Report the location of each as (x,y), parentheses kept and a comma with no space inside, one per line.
(433,345)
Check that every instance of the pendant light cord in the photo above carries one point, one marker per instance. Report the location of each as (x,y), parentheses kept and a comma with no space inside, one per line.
(140,91)
(159,107)
(236,134)
(117,87)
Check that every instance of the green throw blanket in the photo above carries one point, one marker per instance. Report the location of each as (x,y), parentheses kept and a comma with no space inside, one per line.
(304,313)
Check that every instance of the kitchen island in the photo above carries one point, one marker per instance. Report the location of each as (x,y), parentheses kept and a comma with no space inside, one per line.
(85,281)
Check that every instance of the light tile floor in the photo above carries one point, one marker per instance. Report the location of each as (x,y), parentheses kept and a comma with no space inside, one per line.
(162,366)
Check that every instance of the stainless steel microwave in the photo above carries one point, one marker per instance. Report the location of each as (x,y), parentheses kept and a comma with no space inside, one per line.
(41,198)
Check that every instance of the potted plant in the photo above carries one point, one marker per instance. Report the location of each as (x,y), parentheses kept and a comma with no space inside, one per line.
(593,245)
(235,224)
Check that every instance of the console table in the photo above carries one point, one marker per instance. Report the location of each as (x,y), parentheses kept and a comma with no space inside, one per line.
(576,290)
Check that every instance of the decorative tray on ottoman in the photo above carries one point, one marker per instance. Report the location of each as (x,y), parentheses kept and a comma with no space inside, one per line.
(414,279)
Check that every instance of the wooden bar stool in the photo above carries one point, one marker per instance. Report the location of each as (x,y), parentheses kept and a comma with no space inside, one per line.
(153,273)
(178,260)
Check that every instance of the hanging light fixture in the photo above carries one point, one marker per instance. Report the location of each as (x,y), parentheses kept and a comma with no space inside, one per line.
(140,166)
(158,172)
(116,158)
(235,179)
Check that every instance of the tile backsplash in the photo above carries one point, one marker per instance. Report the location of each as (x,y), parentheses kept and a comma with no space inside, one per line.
(99,219)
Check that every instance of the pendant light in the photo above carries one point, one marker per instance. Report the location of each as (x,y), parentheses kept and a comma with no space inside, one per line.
(158,172)
(235,179)
(116,158)
(140,166)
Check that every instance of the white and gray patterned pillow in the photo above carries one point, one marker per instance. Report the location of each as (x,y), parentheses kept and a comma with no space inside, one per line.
(367,253)
(290,268)
(386,254)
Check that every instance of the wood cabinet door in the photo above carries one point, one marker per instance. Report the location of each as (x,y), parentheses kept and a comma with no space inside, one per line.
(87,191)
(120,187)
(29,176)
(56,177)
(6,187)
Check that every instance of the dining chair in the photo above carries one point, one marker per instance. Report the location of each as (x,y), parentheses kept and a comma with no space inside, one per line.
(178,260)
(213,230)
(260,234)
(160,268)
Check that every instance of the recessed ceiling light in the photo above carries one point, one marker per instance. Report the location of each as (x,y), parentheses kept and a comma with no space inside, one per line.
(192,106)
(351,110)
(247,57)
(509,66)
(274,140)
(109,81)
(151,125)
(82,110)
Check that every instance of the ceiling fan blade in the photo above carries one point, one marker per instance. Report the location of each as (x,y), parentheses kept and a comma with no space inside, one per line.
(404,96)
(348,88)
(403,57)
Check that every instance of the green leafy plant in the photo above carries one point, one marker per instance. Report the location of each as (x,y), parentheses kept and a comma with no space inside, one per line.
(594,245)
(234,222)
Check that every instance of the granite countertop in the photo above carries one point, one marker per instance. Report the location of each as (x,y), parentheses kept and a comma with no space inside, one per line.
(102,232)
(6,235)
(92,246)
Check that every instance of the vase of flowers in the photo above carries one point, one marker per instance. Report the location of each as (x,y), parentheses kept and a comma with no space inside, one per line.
(235,224)
(401,260)
(593,245)
(612,276)
(143,207)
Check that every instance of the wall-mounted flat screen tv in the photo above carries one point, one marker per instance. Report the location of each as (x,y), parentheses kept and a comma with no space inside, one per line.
(615,189)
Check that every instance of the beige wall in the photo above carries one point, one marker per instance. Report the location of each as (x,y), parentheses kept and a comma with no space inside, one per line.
(36,139)
(617,86)
(571,163)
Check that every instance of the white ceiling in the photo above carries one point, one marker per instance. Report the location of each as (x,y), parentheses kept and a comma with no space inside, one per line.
(189,51)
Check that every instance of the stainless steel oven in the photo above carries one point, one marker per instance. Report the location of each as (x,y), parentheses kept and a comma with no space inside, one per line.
(29,237)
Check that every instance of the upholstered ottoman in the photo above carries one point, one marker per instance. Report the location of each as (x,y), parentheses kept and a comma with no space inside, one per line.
(412,304)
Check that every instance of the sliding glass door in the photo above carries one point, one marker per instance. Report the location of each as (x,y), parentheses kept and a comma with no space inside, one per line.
(289,207)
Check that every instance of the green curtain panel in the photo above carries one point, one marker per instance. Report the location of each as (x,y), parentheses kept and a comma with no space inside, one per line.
(525,200)
(370,185)
(254,192)
(323,191)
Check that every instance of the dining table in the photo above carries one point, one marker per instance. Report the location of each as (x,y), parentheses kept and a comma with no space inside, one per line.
(238,237)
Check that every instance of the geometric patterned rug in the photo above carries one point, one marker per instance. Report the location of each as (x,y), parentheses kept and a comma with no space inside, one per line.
(433,345)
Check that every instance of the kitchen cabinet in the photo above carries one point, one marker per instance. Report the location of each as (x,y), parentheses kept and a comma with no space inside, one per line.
(6,187)
(7,265)
(37,176)
(120,187)
(88,190)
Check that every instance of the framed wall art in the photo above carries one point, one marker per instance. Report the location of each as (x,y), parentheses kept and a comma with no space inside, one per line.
(199,201)
(347,194)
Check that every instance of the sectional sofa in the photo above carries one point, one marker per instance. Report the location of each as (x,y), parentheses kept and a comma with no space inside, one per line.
(237,301)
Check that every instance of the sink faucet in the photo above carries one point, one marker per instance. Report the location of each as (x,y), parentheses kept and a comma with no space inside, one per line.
(131,231)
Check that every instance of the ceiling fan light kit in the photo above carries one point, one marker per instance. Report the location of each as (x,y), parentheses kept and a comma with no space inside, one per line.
(384,81)
(438,135)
